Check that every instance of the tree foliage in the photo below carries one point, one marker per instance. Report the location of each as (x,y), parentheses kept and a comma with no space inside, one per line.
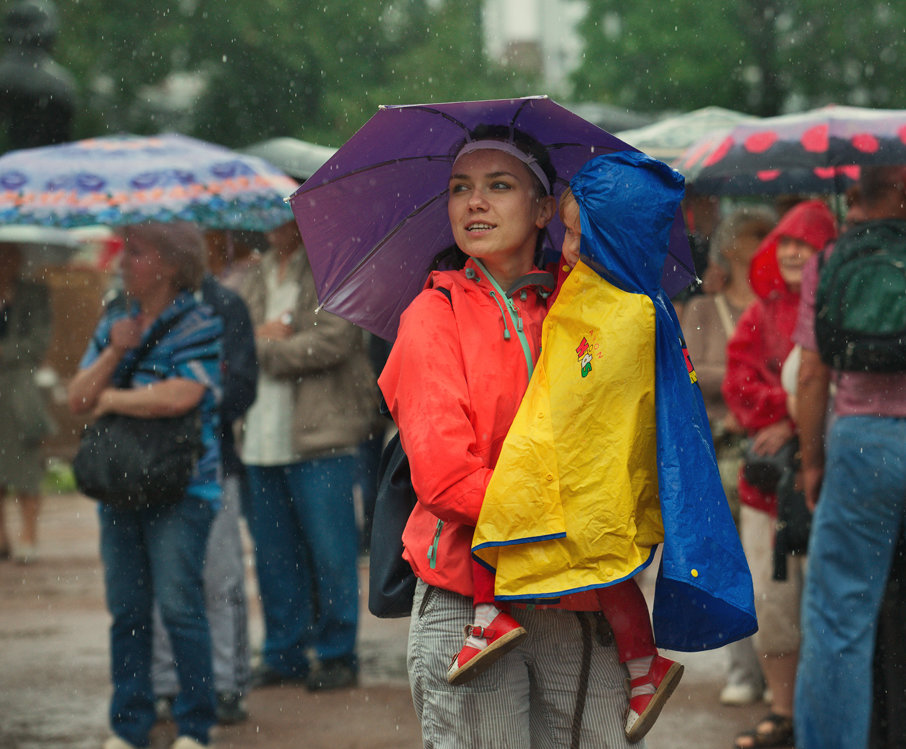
(315,71)
(761,56)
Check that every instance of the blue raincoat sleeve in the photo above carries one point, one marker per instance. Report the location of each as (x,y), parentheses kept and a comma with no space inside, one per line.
(703,596)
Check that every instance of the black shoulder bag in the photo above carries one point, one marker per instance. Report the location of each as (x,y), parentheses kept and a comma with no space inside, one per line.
(134,463)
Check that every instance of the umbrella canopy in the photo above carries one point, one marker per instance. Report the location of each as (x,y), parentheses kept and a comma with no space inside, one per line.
(298,158)
(126,179)
(819,151)
(668,138)
(375,215)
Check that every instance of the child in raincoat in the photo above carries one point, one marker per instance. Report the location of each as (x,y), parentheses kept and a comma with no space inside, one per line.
(601,442)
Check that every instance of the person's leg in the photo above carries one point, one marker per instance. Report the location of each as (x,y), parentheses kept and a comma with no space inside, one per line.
(163,673)
(30,509)
(284,580)
(4,537)
(322,500)
(889,667)
(491,635)
(224,583)
(177,539)
(652,678)
(490,711)
(369,459)
(626,610)
(777,605)
(563,647)
(745,680)
(855,529)
(127,584)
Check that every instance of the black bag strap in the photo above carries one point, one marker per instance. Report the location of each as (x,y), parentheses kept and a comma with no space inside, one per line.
(158,331)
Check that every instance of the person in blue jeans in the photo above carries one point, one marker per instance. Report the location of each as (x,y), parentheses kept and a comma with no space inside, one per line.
(316,401)
(857,487)
(224,569)
(158,553)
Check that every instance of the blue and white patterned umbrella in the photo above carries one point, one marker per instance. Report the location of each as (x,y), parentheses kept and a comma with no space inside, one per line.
(126,179)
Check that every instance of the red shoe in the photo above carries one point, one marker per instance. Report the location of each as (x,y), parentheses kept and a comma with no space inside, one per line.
(502,635)
(643,710)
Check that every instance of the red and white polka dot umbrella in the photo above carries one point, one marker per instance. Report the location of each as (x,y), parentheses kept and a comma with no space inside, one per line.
(819,151)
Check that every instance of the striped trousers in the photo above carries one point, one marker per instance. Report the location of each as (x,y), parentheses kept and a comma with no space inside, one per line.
(561,688)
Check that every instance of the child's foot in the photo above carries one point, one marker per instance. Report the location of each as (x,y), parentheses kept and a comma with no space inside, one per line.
(649,694)
(484,646)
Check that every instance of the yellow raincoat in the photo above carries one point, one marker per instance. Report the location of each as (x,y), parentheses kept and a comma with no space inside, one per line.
(573,501)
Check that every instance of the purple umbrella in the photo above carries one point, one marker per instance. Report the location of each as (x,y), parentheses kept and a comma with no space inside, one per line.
(375,215)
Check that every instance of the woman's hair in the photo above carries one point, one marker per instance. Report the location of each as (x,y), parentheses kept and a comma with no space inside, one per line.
(750,219)
(523,141)
(179,244)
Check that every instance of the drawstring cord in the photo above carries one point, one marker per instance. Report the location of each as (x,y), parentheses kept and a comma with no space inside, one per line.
(506,330)
(511,310)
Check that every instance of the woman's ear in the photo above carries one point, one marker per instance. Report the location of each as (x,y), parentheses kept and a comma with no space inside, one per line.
(547,207)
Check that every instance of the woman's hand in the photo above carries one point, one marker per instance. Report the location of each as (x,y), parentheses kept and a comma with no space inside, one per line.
(769,440)
(126,333)
(105,403)
(273,330)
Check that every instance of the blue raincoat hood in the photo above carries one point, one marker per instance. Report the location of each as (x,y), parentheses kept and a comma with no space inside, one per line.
(703,598)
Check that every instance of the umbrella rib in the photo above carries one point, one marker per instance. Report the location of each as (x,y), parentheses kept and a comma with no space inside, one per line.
(374,250)
(361,170)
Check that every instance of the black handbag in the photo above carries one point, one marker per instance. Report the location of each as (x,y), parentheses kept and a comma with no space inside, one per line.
(134,463)
(793,525)
(391,581)
(764,471)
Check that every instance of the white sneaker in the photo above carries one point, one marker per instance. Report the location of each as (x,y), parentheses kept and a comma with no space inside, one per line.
(186,742)
(115,742)
(740,694)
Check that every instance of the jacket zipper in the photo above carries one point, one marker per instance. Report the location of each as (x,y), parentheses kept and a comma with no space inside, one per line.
(432,550)
(513,313)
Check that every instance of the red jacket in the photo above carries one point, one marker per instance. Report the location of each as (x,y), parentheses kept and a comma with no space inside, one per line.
(453,384)
(763,336)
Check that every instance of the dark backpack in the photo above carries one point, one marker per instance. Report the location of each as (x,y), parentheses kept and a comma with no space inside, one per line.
(860,304)
(391,581)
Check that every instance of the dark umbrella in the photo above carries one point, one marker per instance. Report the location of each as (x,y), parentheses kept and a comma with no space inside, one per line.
(375,215)
(819,152)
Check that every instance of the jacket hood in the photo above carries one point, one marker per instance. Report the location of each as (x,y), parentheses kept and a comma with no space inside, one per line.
(627,203)
(810,221)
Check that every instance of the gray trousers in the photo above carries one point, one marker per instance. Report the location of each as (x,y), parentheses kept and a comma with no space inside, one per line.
(743,667)
(224,586)
(562,688)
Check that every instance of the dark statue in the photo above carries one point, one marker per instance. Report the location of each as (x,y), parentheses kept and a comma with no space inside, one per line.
(37,95)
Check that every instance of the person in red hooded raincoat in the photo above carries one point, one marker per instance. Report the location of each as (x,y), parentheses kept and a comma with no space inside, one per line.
(752,389)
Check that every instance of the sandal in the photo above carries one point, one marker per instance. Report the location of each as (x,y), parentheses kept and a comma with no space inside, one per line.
(779,733)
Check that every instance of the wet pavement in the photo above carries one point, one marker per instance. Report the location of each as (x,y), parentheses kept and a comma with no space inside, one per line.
(54,683)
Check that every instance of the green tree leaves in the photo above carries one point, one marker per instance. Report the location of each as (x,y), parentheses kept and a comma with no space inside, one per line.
(761,56)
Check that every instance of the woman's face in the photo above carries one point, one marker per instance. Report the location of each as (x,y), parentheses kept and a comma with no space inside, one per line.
(144,271)
(494,209)
(569,214)
(792,255)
